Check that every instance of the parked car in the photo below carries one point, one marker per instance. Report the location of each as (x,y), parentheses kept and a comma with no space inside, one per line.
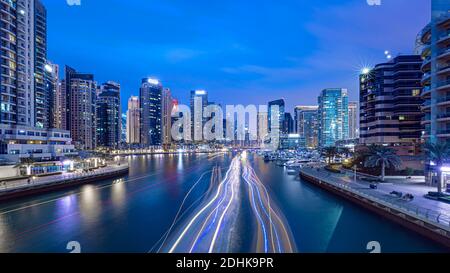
(397,194)
(373,186)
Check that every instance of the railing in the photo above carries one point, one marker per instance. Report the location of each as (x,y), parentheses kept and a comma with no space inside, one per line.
(444,99)
(444,116)
(443,51)
(443,83)
(437,218)
(443,132)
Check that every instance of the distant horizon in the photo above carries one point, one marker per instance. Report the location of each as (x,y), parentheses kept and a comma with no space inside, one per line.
(291,50)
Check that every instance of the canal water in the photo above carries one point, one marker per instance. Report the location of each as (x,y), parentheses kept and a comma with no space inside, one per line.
(133,213)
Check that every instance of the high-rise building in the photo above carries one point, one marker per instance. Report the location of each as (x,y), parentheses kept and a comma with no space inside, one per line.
(263,129)
(52,86)
(109,115)
(276,107)
(390,104)
(353,120)
(288,124)
(133,121)
(167,107)
(150,99)
(198,102)
(80,93)
(26,101)
(123,133)
(332,116)
(435,38)
(42,95)
(307,125)
(434,42)
(23,99)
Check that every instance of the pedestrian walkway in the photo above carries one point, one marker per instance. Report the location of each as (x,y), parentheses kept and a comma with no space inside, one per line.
(432,210)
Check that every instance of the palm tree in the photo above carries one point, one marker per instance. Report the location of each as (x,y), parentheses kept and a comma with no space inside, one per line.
(438,153)
(382,156)
(345,151)
(330,153)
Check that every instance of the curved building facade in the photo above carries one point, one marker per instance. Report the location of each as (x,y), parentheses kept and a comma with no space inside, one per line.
(436,80)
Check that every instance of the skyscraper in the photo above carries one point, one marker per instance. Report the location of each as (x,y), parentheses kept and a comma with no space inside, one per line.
(42,95)
(150,99)
(263,129)
(307,124)
(52,86)
(390,104)
(26,100)
(23,57)
(109,115)
(435,39)
(353,120)
(80,93)
(288,124)
(333,116)
(167,106)
(198,102)
(276,107)
(133,121)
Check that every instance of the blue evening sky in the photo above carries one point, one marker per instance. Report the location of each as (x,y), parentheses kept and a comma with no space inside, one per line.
(241,51)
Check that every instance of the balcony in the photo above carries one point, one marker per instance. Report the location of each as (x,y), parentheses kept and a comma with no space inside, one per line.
(426,119)
(426,78)
(444,70)
(426,91)
(443,133)
(444,54)
(444,117)
(444,38)
(426,104)
(443,101)
(426,65)
(443,85)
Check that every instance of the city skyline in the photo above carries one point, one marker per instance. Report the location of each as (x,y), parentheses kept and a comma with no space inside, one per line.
(295,69)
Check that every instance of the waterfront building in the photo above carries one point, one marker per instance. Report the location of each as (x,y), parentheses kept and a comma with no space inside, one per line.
(307,125)
(80,93)
(150,99)
(53,86)
(23,57)
(108,114)
(353,120)
(434,42)
(133,121)
(167,107)
(292,142)
(40,144)
(332,116)
(288,124)
(28,85)
(197,119)
(43,97)
(390,105)
(263,129)
(276,110)
(436,84)
(123,133)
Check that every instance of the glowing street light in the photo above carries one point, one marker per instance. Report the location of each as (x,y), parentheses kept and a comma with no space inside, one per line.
(365,71)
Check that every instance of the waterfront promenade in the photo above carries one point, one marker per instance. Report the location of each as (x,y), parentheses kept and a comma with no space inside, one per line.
(432,211)
(8,188)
